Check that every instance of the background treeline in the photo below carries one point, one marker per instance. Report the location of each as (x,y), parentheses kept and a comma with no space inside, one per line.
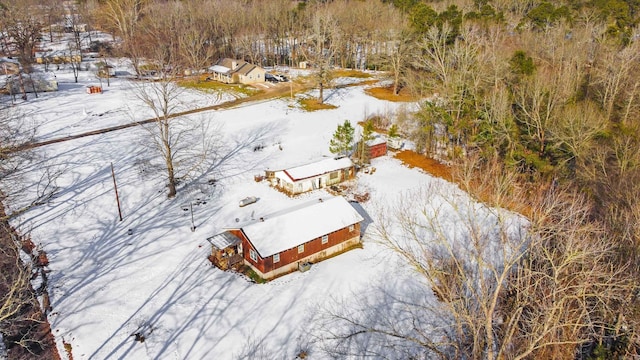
(548,90)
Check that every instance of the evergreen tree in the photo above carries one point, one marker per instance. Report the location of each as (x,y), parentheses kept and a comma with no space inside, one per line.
(393,131)
(367,134)
(342,139)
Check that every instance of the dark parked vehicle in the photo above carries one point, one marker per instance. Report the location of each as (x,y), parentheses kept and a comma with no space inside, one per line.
(270,78)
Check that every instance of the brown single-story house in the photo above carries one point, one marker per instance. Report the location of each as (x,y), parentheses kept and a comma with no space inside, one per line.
(232,71)
(278,243)
(316,175)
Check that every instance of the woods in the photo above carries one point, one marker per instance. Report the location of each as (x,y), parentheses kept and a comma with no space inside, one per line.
(534,103)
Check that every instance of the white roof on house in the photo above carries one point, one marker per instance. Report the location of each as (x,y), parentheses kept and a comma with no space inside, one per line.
(318,168)
(219,69)
(291,227)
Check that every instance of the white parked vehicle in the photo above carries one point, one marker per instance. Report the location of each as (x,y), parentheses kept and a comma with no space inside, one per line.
(248,201)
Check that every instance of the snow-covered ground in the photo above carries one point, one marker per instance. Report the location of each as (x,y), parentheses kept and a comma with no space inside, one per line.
(107,284)
(71,110)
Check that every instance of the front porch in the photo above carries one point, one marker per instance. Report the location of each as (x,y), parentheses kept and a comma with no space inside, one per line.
(226,251)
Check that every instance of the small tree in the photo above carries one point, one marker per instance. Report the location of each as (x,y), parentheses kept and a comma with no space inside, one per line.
(321,49)
(342,139)
(75,59)
(393,131)
(367,135)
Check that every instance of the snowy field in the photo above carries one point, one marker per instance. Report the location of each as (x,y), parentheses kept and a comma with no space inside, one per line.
(107,284)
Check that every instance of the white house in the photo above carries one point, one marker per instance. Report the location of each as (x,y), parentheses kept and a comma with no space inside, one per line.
(312,176)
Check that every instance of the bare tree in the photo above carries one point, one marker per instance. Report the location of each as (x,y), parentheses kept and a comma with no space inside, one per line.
(185,144)
(492,285)
(320,47)
(75,58)
(14,280)
(15,132)
(124,17)
(195,47)
(162,98)
(23,326)
(612,73)
(401,49)
(22,25)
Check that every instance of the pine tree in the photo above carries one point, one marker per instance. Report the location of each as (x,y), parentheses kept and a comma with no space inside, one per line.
(367,134)
(393,131)
(342,139)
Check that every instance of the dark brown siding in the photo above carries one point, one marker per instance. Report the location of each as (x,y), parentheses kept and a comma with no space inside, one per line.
(246,247)
(314,246)
(377,150)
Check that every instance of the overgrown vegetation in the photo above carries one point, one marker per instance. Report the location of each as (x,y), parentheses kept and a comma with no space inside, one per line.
(312,104)
(216,87)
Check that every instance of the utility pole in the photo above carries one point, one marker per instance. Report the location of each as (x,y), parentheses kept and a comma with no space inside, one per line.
(115,187)
(193,224)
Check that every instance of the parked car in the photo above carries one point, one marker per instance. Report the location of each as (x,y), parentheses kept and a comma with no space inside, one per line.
(270,77)
(248,201)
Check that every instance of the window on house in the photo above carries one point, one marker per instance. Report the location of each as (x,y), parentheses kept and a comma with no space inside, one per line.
(333,175)
(300,249)
(325,239)
(276,258)
(253,255)
(351,227)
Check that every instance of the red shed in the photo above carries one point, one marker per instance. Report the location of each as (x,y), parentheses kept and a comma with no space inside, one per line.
(377,147)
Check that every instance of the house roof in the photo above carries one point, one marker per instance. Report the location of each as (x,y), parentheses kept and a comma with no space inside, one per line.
(318,168)
(377,140)
(219,69)
(289,228)
(223,240)
(228,62)
(246,69)
(225,66)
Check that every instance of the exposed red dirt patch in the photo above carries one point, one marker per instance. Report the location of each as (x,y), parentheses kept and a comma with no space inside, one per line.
(432,166)
(386,93)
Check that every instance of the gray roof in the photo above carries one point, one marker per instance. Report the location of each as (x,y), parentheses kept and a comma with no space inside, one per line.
(223,240)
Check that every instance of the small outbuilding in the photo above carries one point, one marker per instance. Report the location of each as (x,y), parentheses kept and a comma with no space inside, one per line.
(279,243)
(377,147)
(312,176)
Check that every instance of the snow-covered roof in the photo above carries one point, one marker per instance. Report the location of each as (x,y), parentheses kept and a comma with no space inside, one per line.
(377,140)
(219,69)
(289,228)
(223,240)
(318,168)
